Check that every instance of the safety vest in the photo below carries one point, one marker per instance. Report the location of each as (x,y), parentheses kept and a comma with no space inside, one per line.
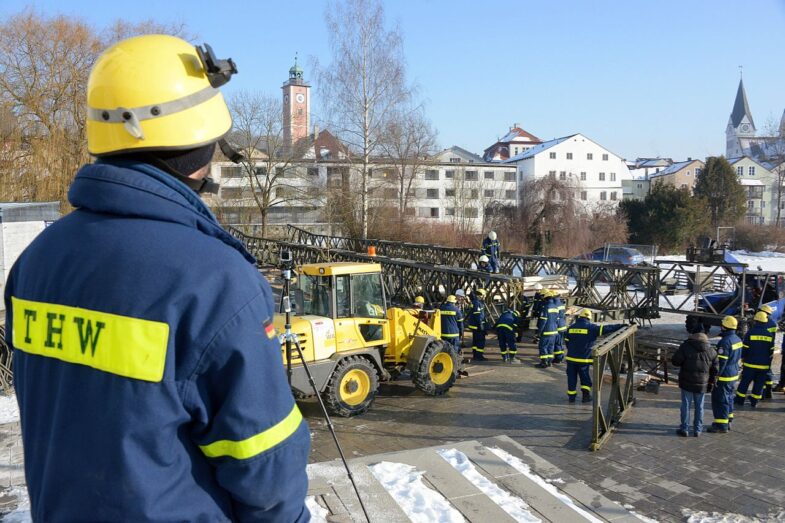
(476,319)
(580,338)
(729,353)
(508,321)
(549,316)
(451,320)
(758,347)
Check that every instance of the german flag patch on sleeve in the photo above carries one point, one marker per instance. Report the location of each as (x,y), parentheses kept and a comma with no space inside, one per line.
(269,329)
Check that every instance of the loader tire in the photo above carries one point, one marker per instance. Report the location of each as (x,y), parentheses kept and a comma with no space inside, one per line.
(352,387)
(437,371)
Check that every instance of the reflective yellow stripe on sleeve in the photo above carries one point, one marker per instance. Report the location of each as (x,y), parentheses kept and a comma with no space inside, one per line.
(258,443)
(449,313)
(759,367)
(728,378)
(579,331)
(121,345)
(737,346)
(757,337)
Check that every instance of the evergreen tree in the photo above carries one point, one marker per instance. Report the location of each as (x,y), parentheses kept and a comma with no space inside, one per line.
(724,195)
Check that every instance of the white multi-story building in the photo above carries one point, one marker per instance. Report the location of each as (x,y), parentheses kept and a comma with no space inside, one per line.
(593,171)
(760,186)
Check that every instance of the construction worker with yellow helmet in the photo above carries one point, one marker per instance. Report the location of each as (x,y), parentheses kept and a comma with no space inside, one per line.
(729,355)
(771,325)
(476,324)
(147,368)
(491,248)
(452,326)
(419,302)
(757,352)
(580,338)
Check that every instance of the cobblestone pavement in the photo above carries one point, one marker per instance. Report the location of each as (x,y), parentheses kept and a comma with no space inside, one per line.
(644,464)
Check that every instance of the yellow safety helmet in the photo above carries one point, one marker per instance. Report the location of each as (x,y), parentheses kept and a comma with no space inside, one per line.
(452,299)
(761,317)
(481,292)
(156,92)
(420,300)
(729,322)
(766,309)
(585,313)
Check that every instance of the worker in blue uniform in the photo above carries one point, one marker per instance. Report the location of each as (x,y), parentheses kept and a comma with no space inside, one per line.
(506,331)
(492,249)
(548,329)
(729,350)
(771,325)
(558,351)
(452,324)
(757,351)
(147,369)
(476,324)
(580,338)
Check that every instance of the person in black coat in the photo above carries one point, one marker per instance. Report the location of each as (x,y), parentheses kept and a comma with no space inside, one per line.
(698,366)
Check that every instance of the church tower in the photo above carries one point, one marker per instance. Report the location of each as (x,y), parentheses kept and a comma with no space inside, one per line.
(740,125)
(296,106)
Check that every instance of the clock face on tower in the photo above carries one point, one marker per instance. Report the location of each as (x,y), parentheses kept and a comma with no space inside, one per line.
(300,97)
(745,128)
(286,98)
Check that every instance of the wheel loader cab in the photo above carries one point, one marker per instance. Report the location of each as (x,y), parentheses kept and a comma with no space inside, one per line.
(352,296)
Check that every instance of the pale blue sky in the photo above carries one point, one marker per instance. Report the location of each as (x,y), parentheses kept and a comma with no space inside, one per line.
(641,78)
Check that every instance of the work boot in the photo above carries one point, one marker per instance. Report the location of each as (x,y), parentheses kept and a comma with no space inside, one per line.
(571,398)
(682,433)
(780,387)
(738,401)
(586,396)
(753,404)
(717,429)
(542,365)
(767,392)
(463,373)
(479,357)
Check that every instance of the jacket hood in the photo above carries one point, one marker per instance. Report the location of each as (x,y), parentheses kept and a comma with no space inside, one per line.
(700,341)
(136,189)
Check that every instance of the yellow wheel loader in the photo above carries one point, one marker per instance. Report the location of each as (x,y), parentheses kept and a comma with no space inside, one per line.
(351,340)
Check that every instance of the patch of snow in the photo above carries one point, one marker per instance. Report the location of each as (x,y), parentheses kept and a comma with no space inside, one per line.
(512,505)
(318,513)
(420,503)
(22,512)
(558,481)
(9,409)
(640,516)
(717,517)
(524,469)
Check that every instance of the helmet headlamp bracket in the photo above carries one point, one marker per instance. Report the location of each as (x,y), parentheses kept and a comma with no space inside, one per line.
(218,71)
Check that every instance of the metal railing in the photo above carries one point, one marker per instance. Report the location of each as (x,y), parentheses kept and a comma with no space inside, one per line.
(612,401)
(6,356)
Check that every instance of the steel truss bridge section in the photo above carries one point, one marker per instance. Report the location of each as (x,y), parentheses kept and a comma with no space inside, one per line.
(618,291)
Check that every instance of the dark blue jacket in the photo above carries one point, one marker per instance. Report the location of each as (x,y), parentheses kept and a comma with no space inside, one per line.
(548,324)
(758,347)
(452,320)
(490,247)
(562,321)
(476,319)
(508,321)
(729,353)
(580,338)
(150,383)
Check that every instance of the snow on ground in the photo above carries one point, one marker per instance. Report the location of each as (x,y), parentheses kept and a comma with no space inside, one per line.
(22,512)
(512,505)
(717,517)
(318,513)
(640,516)
(419,502)
(9,409)
(524,469)
(767,260)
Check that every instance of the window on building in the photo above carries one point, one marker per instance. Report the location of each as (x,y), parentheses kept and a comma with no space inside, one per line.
(520,176)
(232,172)
(762,204)
(455,159)
(260,171)
(589,156)
(569,156)
(640,186)
(391,193)
(613,195)
(552,174)
(509,176)
(370,173)
(583,195)
(488,175)
(755,192)
(488,193)
(509,194)
(689,172)
(449,211)
(697,172)
(562,175)
(313,171)
(449,193)
(474,194)
(516,151)
(470,212)
(449,174)
(280,172)
(684,186)
(583,176)
(471,176)
(231,192)
(750,204)
(434,212)
(409,211)
(602,177)
(613,177)
(432,194)
(751,170)
(431,174)
(603,195)
(605,157)
(739,170)
(552,156)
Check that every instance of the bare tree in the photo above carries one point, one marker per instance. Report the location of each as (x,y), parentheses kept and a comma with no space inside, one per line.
(408,141)
(268,163)
(775,157)
(364,85)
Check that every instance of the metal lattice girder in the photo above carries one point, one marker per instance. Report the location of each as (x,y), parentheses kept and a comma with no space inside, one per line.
(616,355)
(628,291)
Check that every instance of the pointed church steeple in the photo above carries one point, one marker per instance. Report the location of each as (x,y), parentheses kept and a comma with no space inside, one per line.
(741,108)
